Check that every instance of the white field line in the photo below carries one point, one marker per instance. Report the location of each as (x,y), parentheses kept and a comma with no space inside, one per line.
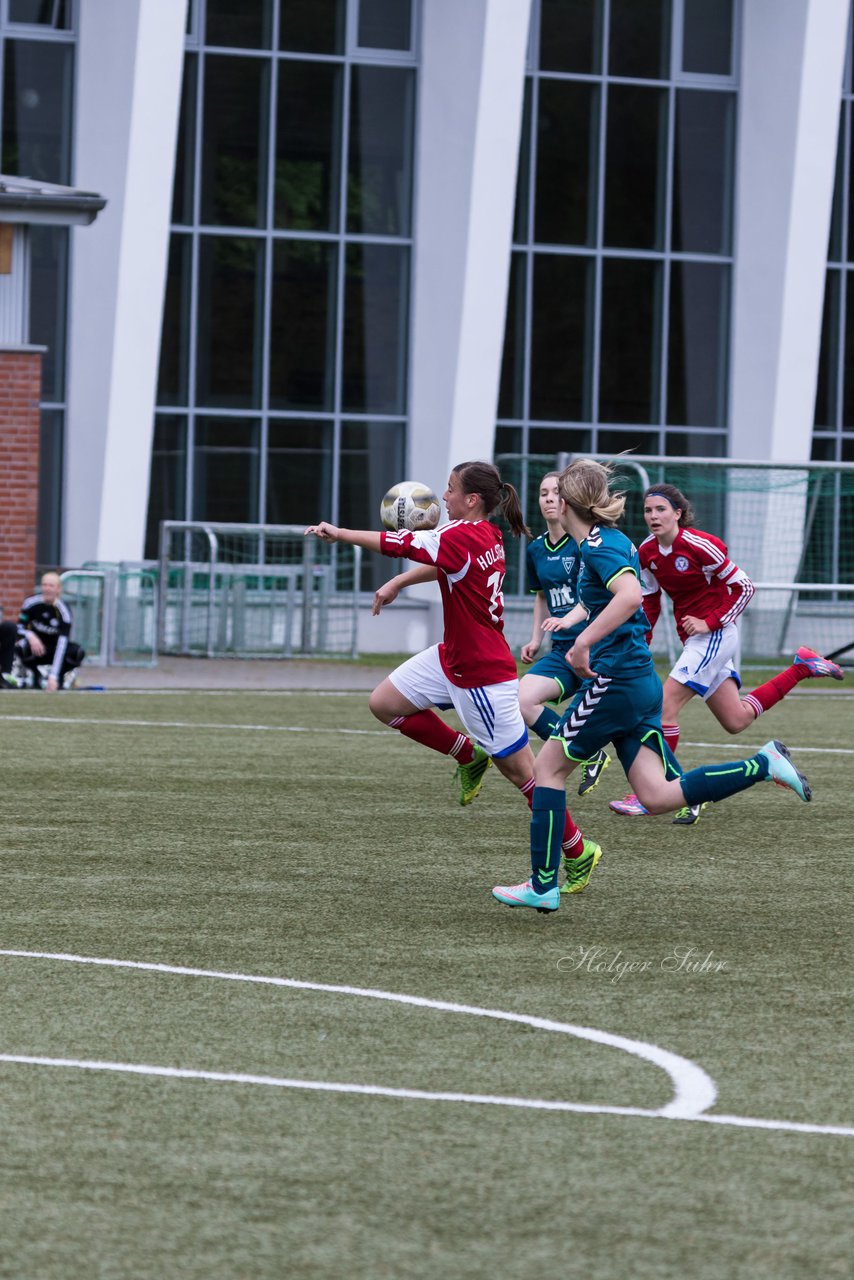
(418,1095)
(746,747)
(694,1090)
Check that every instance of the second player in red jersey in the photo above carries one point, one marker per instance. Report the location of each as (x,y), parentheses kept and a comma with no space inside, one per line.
(709,593)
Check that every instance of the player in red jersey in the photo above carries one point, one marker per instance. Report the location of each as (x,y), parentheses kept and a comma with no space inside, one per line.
(709,593)
(472,670)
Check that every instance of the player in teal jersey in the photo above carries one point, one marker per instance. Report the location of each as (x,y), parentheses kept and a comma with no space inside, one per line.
(552,562)
(620,700)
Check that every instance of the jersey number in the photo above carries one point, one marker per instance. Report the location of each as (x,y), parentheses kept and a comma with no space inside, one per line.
(496,602)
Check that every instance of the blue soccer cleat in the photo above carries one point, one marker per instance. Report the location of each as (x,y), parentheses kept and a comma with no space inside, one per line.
(782,771)
(524,895)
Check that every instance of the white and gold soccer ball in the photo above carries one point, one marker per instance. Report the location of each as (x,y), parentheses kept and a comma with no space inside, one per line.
(410,505)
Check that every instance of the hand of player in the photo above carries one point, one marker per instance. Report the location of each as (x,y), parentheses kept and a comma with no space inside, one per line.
(325,531)
(695,626)
(384,595)
(36,646)
(579,659)
(556,624)
(52,684)
(529,651)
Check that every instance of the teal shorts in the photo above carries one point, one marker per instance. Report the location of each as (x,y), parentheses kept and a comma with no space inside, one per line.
(554,666)
(625,710)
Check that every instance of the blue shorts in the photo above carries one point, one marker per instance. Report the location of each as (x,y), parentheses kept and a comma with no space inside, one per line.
(554,666)
(625,710)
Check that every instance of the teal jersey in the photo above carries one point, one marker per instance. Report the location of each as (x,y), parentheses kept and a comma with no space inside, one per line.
(554,571)
(605,554)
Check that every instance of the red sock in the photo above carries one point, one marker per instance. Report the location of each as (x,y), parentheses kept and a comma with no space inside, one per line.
(527,790)
(775,689)
(572,844)
(671,736)
(431,731)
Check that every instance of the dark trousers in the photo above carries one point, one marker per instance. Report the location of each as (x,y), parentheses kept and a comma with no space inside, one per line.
(74,655)
(8,639)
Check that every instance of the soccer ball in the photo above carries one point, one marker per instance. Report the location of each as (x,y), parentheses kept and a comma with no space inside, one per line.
(410,505)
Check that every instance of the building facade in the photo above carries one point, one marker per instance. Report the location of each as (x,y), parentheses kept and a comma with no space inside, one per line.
(348,241)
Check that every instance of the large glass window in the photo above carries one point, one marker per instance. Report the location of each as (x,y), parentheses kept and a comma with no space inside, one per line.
(634,167)
(173,383)
(183,184)
(230,293)
(639,38)
(307,159)
(302,325)
(375,332)
(379,177)
(312,26)
(51,449)
(699,331)
(234,161)
(384,24)
(571,35)
(631,341)
(299,471)
(37,78)
(48,299)
(168,480)
(42,13)
(702,171)
(561,337)
(246,25)
(226,470)
(567,156)
(707,37)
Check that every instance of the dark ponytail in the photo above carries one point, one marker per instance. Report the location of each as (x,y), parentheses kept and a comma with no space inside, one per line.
(483,479)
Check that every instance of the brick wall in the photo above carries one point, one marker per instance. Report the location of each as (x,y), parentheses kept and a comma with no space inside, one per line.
(20,393)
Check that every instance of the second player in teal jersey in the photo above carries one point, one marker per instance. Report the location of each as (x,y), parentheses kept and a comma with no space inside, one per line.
(620,699)
(552,562)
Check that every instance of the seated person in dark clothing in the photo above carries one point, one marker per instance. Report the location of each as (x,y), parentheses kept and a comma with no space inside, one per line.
(42,636)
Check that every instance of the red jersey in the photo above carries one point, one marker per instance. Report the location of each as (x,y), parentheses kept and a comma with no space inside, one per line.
(699,577)
(469,555)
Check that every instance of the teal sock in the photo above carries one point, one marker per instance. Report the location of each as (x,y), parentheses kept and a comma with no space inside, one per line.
(548,816)
(719,781)
(546,723)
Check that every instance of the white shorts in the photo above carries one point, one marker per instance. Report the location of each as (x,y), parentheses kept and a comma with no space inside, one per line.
(707,661)
(489,714)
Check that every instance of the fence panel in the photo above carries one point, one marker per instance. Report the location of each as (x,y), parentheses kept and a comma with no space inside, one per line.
(255,591)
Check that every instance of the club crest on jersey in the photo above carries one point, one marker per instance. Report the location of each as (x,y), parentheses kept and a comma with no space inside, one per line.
(568,562)
(681,563)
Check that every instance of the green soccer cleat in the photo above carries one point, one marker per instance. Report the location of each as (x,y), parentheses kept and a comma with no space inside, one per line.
(782,771)
(469,777)
(592,770)
(524,895)
(579,870)
(688,815)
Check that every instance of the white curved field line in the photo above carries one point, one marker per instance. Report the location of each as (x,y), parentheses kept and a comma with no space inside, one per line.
(694,1090)
(371,733)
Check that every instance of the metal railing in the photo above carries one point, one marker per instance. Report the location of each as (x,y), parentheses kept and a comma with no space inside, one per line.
(255,590)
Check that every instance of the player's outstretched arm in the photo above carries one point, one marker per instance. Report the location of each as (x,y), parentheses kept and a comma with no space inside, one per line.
(368,539)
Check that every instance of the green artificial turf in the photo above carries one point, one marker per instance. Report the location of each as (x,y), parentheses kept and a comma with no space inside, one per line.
(210,833)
